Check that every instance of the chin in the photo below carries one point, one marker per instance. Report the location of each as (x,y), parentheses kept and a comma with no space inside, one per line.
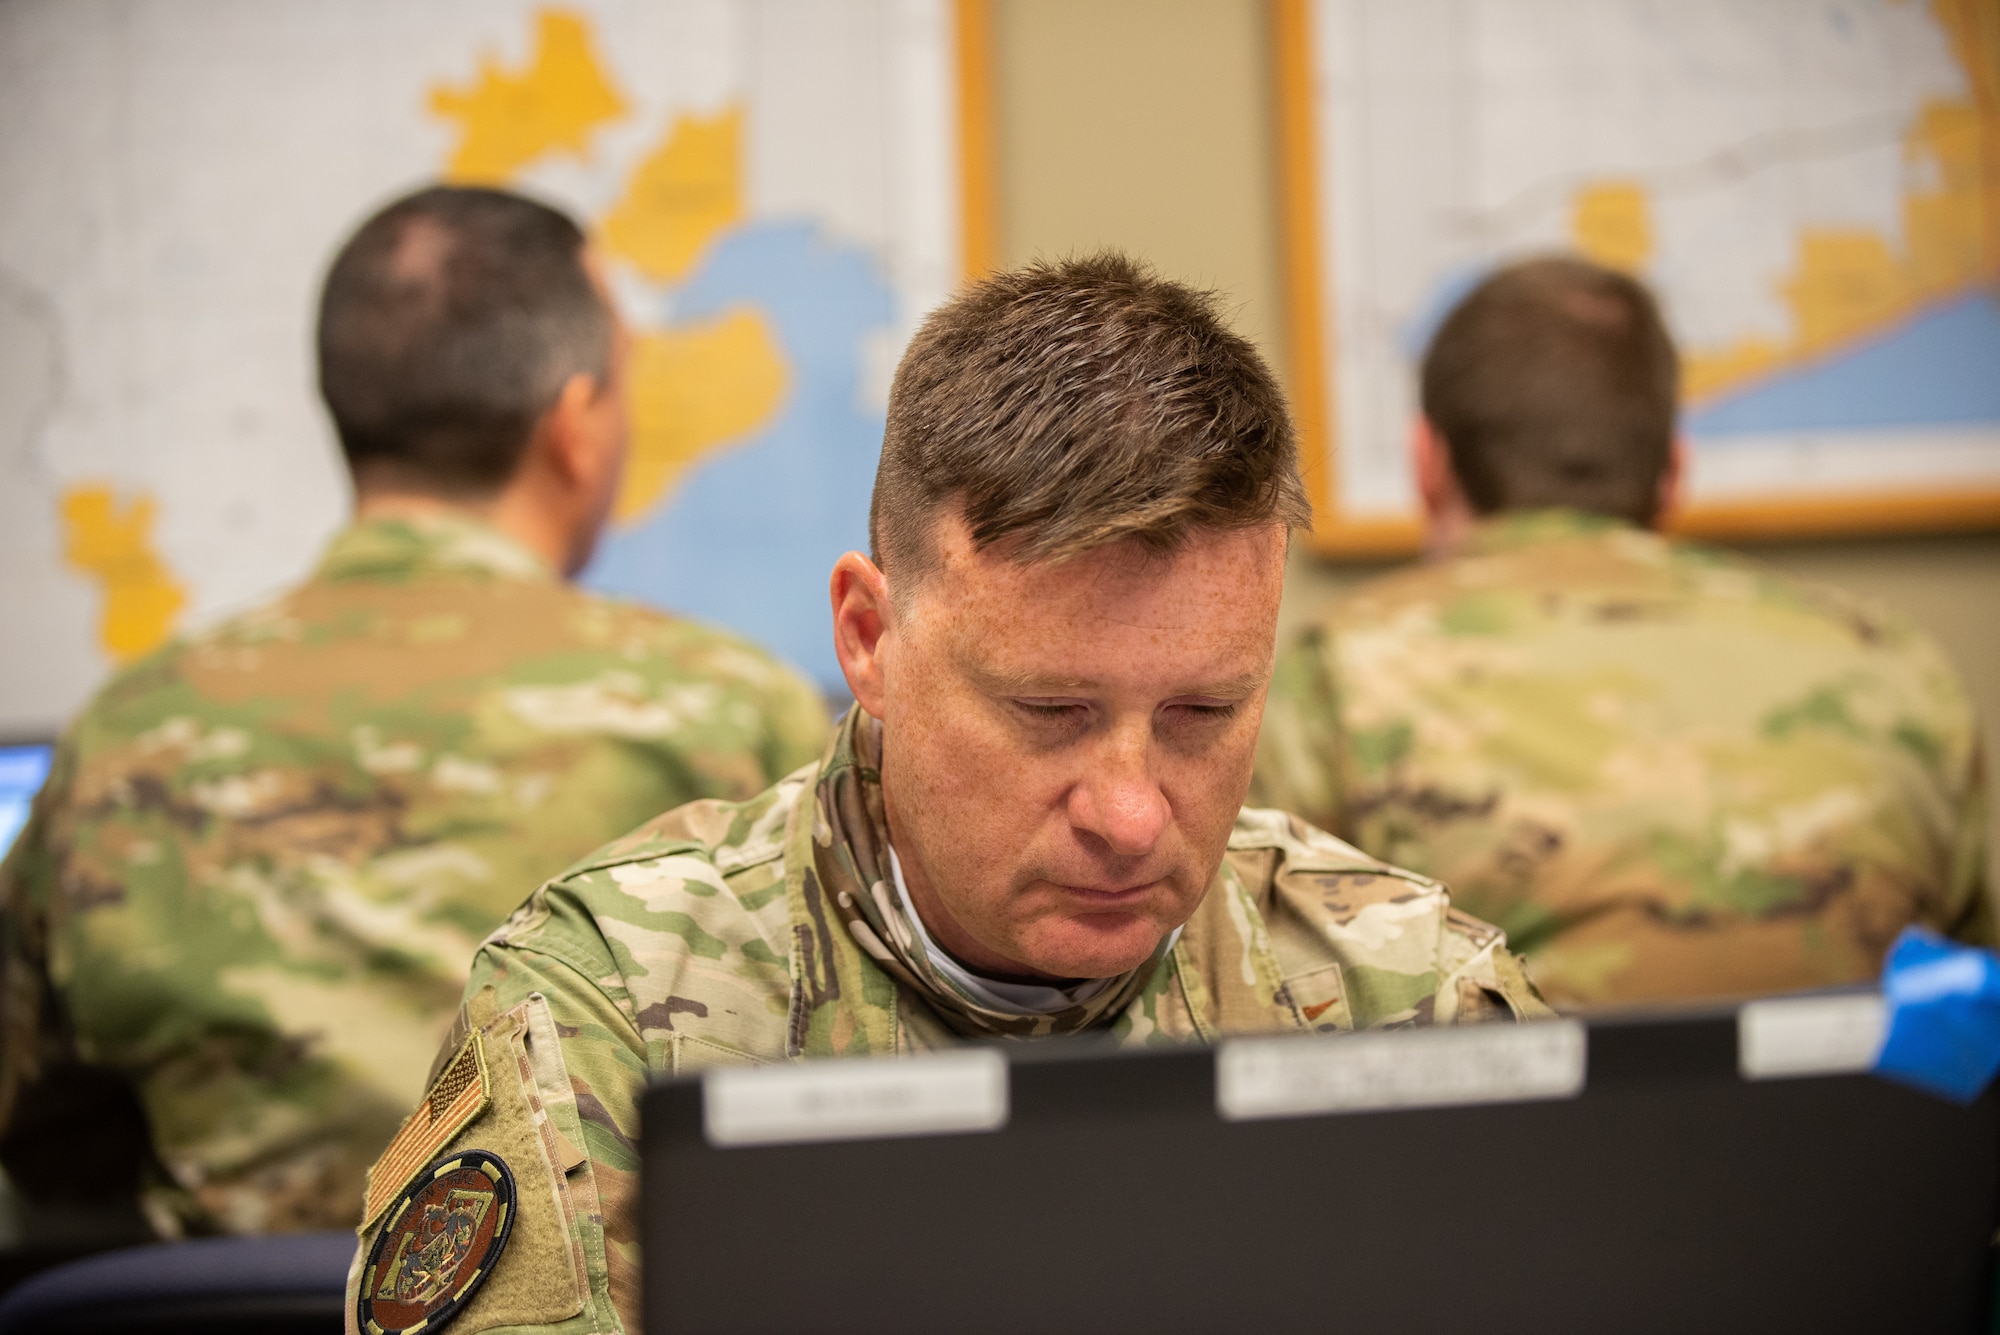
(1079,949)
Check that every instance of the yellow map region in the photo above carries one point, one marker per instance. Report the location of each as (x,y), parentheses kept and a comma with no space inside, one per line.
(510,120)
(1612,223)
(113,544)
(695,387)
(1849,283)
(684,195)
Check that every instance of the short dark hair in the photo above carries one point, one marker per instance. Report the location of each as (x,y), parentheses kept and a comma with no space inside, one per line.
(1070,405)
(1554,384)
(447,327)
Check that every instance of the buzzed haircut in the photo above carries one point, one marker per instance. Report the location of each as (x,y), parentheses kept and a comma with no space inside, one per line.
(1068,406)
(1554,384)
(447,328)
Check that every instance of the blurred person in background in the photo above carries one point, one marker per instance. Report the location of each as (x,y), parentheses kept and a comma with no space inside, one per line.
(1665,771)
(251,888)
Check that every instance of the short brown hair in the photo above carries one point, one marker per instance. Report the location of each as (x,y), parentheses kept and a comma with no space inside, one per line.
(1070,405)
(1554,384)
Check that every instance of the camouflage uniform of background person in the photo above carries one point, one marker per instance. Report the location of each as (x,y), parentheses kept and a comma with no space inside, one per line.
(266,853)
(1666,771)
(1081,517)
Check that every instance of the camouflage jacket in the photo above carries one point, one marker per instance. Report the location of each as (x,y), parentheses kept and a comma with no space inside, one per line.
(709,936)
(266,854)
(1664,771)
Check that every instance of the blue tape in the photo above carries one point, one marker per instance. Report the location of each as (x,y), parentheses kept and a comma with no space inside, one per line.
(1944,1016)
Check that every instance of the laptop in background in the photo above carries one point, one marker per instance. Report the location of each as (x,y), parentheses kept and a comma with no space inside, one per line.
(23,770)
(1718,1170)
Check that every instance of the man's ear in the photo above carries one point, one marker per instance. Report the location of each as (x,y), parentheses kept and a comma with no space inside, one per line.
(1672,479)
(561,493)
(1447,514)
(862,617)
(1437,489)
(571,450)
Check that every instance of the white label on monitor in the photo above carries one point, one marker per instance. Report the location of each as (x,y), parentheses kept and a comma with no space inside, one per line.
(1417,1068)
(862,1099)
(1793,1036)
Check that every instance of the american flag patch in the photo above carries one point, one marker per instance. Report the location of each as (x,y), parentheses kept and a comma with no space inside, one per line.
(459,1095)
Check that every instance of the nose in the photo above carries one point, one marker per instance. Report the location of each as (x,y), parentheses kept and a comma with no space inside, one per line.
(1119,801)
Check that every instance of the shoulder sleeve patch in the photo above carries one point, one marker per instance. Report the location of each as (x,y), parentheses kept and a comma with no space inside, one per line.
(541,1277)
(440,1242)
(459,1094)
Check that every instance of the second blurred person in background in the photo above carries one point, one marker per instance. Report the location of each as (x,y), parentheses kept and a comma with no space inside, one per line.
(266,854)
(1665,771)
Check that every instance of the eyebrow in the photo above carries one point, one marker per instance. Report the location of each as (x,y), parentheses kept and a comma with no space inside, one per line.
(998,681)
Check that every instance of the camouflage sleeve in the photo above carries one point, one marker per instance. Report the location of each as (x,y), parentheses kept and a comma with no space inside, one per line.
(600,979)
(1299,747)
(1361,943)
(563,1069)
(1482,979)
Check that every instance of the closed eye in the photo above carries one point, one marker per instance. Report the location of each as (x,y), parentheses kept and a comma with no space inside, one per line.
(1206,709)
(1054,709)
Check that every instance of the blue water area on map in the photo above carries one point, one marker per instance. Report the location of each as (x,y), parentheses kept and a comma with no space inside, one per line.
(749,536)
(1417,332)
(1941,368)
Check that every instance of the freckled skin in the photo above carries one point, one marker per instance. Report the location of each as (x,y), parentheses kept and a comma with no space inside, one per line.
(1065,746)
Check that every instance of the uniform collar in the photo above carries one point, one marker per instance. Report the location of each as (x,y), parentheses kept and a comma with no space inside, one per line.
(1526,527)
(403,546)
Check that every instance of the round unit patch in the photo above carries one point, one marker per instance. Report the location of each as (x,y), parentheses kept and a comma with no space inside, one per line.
(438,1244)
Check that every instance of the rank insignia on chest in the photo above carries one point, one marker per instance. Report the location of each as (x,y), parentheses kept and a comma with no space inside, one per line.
(438,1243)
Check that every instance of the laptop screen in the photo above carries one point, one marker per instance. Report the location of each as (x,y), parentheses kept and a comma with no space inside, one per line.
(1709,1171)
(23,769)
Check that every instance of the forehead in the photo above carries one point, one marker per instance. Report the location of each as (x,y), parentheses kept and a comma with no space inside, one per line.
(1206,611)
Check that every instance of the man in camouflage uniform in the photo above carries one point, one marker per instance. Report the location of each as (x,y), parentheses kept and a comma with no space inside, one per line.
(1030,824)
(266,853)
(1666,771)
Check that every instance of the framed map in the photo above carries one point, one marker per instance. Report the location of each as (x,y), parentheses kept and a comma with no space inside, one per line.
(1811,186)
(782,188)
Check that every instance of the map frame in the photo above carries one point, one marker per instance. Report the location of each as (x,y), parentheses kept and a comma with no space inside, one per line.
(1311,331)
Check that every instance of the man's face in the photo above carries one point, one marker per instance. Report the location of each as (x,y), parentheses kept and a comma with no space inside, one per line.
(1065,746)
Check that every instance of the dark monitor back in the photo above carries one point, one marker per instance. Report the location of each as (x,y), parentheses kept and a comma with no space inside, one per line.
(1670,1194)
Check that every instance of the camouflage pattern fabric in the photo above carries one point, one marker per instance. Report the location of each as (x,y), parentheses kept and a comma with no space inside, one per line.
(710,936)
(266,855)
(1664,771)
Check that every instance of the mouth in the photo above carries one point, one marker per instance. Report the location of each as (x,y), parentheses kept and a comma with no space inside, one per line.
(1110,897)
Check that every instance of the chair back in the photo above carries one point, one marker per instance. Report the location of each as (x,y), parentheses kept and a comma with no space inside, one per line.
(287,1285)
